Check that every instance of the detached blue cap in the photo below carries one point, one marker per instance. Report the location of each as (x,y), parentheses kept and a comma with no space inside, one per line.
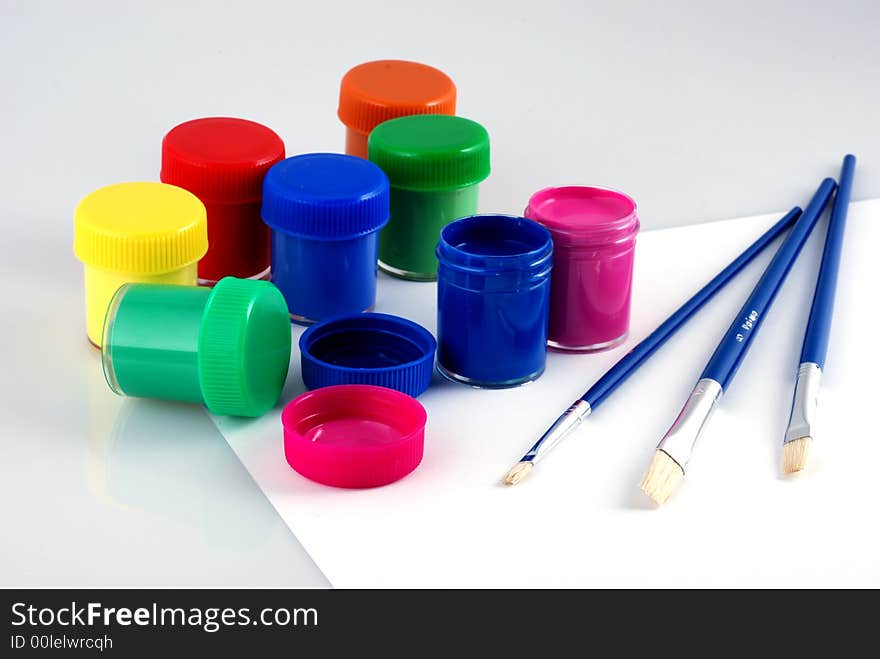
(368,348)
(325,196)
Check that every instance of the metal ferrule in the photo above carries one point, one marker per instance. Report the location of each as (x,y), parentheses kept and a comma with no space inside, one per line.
(679,440)
(568,421)
(806,400)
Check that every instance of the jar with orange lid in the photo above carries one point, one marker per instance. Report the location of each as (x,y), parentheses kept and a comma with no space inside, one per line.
(374,92)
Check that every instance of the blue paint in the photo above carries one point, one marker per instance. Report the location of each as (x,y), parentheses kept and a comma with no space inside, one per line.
(325,211)
(493,300)
(371,348)
(321,279)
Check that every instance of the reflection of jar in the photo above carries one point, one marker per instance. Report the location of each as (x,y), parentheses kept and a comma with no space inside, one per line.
(374,92)
(136,232)
(222,161)
(493,297)
(594,237)
(434,164)
(325,211)
(140,464)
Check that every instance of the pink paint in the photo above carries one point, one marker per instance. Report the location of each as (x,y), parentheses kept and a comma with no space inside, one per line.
(354,435)
(594,238)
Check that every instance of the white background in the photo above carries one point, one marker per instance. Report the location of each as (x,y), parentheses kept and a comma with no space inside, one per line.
(700,110)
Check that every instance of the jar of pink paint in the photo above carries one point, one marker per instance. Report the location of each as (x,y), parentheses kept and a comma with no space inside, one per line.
(594,239)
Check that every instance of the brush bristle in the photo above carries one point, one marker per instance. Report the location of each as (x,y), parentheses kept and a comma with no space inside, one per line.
(795,454)
(662,478)
(519,471)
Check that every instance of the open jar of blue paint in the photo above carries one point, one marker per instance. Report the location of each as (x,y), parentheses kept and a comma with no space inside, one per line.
(493,300)
(325,211)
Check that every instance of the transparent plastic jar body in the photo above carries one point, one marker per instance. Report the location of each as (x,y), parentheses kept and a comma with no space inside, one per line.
(594,235)
(493,299)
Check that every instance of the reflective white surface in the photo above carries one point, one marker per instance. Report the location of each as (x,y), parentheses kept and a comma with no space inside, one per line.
(99,490)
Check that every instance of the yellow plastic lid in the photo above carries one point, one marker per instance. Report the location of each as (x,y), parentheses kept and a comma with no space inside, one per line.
(144,228)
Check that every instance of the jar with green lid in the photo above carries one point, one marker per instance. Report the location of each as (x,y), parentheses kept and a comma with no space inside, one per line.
(435,164)
(227,347)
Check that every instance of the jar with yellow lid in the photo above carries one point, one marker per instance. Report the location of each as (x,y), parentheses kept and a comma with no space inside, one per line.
(141,232)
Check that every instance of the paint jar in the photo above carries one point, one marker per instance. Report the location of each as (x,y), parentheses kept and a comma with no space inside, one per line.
(222,161)
(374,92)
(493,299)
(435,164)
(325,211)
(227,347)
(136,232)
(594,235)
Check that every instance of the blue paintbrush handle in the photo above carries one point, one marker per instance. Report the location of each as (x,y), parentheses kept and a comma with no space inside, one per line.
(736,341)
(618,373)
(819,324)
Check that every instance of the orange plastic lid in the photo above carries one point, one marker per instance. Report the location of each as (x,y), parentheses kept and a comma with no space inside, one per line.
(374,92)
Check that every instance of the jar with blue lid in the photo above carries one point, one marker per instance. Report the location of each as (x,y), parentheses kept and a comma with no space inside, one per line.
(325,211)
(493,300)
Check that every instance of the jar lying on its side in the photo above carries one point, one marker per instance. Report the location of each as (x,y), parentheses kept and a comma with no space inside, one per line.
(493,299)
(227,347)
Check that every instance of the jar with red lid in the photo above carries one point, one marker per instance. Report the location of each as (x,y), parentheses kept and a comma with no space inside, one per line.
(222,160)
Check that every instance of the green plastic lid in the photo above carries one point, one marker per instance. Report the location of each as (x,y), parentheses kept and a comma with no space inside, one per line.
(244,347)
(431,151)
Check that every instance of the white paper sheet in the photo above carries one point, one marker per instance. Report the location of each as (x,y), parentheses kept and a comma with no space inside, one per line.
(580,520)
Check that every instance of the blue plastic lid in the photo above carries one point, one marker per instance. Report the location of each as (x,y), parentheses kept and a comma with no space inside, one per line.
(325,196)
(368,348)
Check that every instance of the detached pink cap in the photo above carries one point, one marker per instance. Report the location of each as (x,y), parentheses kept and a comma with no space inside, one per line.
(354,435)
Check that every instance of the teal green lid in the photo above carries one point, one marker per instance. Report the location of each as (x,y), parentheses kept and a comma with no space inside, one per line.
(430,151)
(244,347)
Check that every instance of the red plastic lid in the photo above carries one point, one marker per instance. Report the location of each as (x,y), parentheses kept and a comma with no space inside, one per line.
(354,435)
(220,159)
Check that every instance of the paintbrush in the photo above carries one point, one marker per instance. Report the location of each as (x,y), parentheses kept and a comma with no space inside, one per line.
(667,468)
(628,364)
(799,435)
